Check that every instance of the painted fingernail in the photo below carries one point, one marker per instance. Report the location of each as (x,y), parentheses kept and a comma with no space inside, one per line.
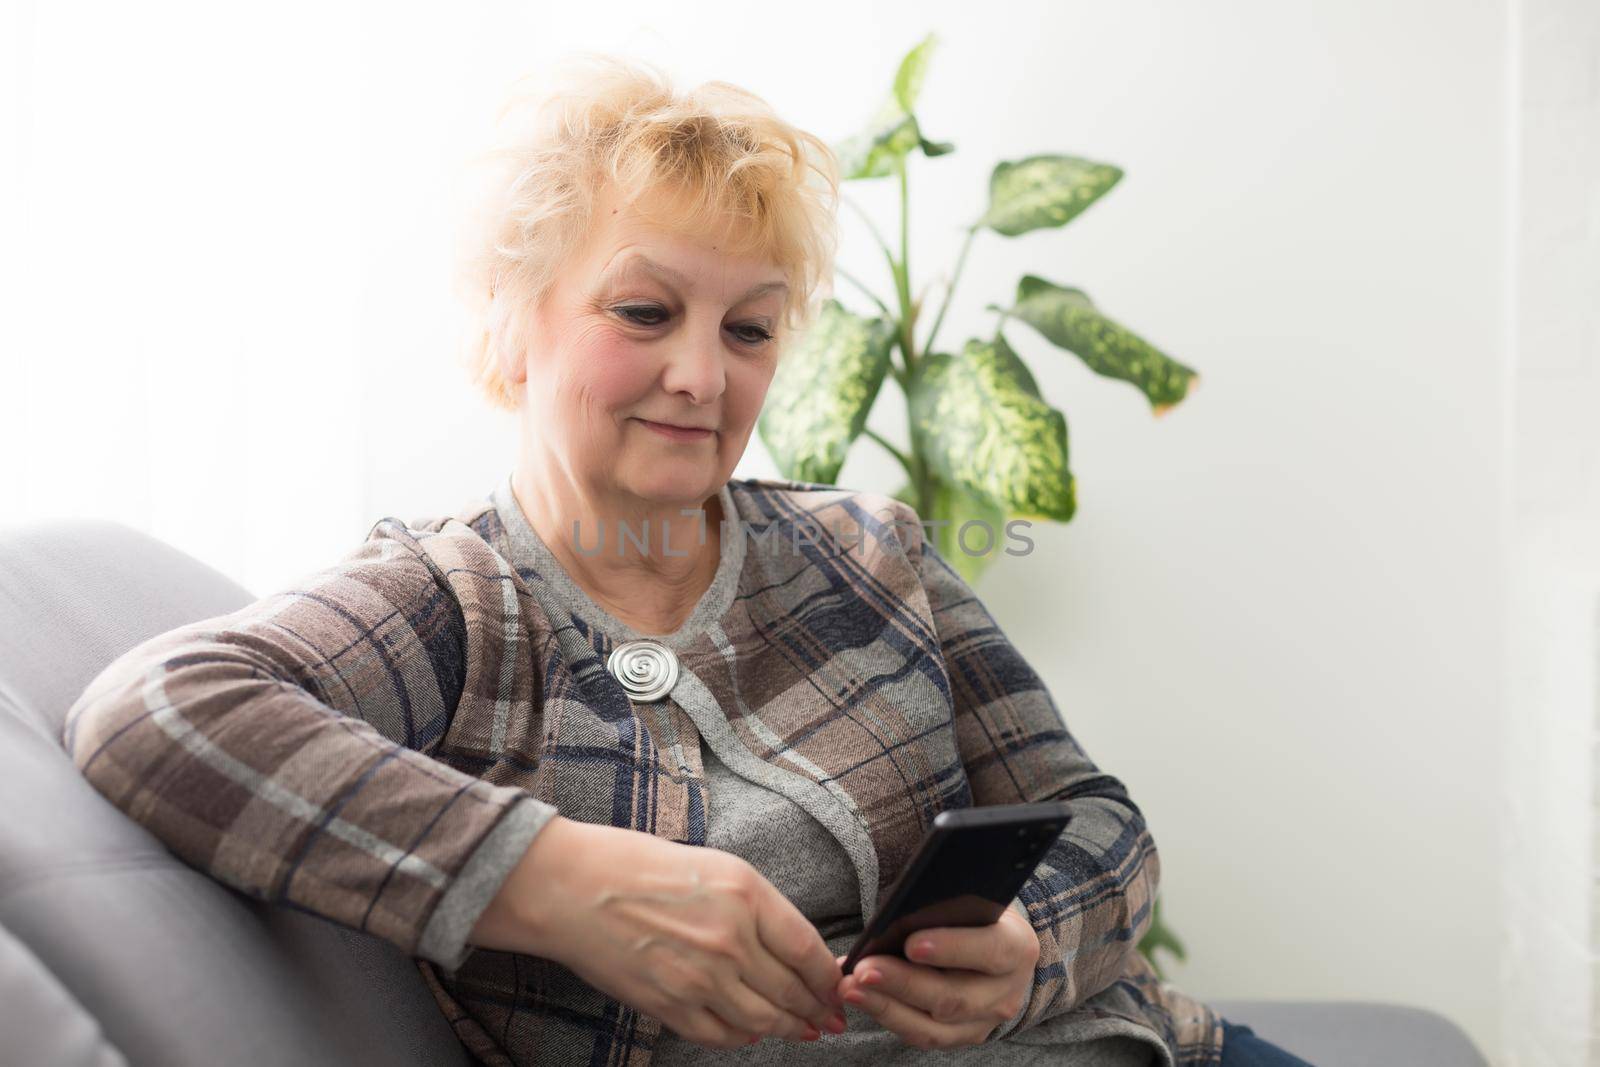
(921,950)
(836,1023)
(855,996)
(871,978)
(753,1040)
(811,1034)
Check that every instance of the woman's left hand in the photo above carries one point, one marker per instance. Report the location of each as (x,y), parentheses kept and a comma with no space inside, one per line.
(958,985)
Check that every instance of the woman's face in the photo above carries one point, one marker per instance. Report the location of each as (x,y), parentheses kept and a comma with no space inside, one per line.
(650,329)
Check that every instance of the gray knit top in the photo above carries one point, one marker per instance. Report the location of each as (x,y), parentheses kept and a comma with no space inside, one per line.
(752,813)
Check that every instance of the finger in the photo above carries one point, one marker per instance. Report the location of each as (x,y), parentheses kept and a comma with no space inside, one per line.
(912,1025)
(843,983)
(748,1008)
(788,936)
(778,984)
(705,1027)
(989,949)
(947,996)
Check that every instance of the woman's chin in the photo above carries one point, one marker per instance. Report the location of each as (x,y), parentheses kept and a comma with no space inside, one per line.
(688,487)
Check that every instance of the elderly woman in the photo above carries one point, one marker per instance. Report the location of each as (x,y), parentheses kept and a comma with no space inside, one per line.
(622,751)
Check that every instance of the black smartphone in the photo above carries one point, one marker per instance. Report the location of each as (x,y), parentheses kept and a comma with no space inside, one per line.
(966,873)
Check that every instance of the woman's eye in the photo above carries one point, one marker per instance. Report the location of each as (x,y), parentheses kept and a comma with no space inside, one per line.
(631,312)
(749,333)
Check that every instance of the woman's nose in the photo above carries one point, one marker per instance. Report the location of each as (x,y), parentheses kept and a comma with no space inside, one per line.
(694,366)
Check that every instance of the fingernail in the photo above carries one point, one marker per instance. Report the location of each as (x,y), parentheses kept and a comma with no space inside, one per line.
(920,950)
(836,1023)
(871,978)
(855,996)
(811,1034)
(753,1040)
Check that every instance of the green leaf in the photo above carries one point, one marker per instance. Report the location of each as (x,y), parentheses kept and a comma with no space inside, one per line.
(1070,320)
(986,429)
(825,384)
(893,131)
(873,152)
(913,69)
(956,506)
(1043,191)
(1160,937)
(907,494)
(1007,358)
(972,554)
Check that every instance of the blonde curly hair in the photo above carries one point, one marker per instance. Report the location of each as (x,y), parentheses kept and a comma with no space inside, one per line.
(728,165)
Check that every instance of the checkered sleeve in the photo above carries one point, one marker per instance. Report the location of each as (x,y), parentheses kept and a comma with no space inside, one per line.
(284,749)
(1090,899)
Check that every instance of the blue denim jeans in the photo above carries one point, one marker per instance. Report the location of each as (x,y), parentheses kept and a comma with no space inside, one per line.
(1242,1048)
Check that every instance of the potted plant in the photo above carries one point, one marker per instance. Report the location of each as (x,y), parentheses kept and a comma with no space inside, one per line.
(985,446)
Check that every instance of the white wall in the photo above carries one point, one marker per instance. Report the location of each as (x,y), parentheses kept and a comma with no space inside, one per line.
(1281,611)
(1552,946)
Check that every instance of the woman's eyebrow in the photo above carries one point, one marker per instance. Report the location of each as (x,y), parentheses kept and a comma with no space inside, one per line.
(639,261)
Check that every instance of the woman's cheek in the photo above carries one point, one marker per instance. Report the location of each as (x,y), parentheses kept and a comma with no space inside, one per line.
(750,383)
(609,372)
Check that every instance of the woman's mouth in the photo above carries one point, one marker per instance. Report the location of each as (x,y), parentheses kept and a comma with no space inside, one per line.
(678,433)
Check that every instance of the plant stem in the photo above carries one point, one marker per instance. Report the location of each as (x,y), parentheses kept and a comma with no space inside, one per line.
(853,280)
(859,210)
(961,261)
(905,461)
(917,468)
(922,478)
(908,313)
(898,273)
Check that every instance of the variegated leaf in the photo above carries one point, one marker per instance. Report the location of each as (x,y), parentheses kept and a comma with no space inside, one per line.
(952,508)
(1069,319)
(824,386)
(1043,191)
(985,428)
(907,494)
(913,69)
(972,552)
(893,130)
(872,153)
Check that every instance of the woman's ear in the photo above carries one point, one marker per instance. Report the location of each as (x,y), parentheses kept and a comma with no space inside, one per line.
(509,345)
(509,358)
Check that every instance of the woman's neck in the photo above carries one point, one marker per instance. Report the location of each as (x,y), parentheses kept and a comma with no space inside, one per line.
(647,564)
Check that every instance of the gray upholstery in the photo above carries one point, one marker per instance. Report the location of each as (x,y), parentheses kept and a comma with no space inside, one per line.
(176,968)
(49,1025)
(113,951)
(1355,1033)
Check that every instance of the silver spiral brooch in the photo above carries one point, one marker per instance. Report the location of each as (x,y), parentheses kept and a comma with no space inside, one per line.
(647,669)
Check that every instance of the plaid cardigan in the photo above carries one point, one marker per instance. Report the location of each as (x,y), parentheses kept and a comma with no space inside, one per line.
(356,745)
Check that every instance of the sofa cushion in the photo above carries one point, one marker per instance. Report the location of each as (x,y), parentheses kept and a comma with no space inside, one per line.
(1355,1033)
(47,1024)
(175,967)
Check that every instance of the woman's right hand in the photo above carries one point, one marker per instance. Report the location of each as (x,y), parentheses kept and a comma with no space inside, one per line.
(693,936)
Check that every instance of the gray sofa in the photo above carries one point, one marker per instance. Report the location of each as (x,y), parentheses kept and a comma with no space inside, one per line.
(113,951)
